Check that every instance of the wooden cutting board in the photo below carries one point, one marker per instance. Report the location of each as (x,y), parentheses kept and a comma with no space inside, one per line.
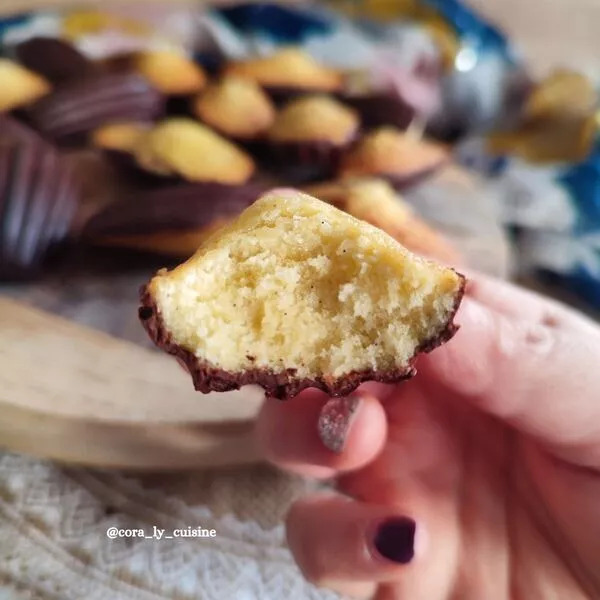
(75,394)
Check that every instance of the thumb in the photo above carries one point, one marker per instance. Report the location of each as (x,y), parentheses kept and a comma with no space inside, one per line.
(542,377)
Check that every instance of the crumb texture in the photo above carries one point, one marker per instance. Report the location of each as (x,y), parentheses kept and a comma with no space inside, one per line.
(295,283)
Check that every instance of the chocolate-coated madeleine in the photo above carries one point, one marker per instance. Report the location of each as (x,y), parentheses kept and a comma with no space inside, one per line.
(379,109)
(290,296)
(182,147)
(75,109)
(56,60)
(172,73)
(38,199)
(170,220)
(397,156)
(236,107)
(122,136)
(291,70)
(375,201)
(311,132)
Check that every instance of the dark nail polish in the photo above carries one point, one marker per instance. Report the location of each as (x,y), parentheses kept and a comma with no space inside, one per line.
(395,539)
(335,420)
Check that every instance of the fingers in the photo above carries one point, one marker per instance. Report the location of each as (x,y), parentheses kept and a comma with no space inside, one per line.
(513,301)
(317,436)
(335,539)
(541,378)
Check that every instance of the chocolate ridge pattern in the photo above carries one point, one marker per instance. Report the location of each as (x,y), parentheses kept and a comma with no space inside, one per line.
(284,385)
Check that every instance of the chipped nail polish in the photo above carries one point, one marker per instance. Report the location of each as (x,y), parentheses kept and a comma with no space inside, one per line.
(335,420)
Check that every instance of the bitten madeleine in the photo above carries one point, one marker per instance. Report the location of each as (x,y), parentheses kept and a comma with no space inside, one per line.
(295,294)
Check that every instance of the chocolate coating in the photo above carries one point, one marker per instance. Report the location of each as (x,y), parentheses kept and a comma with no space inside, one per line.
(302,162)
(177,207)
(281,94)
(56,60)
(283,385)
(38,199)
(73,110)
(381,109)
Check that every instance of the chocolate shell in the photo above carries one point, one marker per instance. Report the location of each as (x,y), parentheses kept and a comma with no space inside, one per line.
(57,60)
(379,109)
(281,95)
(282,386)
(72,111)
(38,200)
(303,162)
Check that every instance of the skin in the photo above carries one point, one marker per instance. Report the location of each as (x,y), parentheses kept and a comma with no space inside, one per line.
(493,449)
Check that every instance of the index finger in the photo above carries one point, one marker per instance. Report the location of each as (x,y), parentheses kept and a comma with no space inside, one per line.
(514,301)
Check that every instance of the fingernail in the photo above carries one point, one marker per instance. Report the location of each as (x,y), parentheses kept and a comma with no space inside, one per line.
(335,420)
(395,539)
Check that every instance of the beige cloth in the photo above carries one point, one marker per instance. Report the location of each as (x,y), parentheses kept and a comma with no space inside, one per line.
(53,542)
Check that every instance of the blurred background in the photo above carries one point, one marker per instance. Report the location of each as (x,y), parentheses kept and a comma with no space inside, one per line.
(129,131)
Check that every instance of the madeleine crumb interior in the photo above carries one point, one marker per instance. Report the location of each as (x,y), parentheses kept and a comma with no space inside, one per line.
(298,290)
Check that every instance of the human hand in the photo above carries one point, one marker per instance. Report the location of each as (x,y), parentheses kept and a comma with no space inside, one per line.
(477,480)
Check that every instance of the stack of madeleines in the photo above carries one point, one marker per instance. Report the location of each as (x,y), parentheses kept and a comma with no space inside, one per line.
(192,148)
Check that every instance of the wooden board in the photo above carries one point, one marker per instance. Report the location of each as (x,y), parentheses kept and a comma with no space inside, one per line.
(73,394)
